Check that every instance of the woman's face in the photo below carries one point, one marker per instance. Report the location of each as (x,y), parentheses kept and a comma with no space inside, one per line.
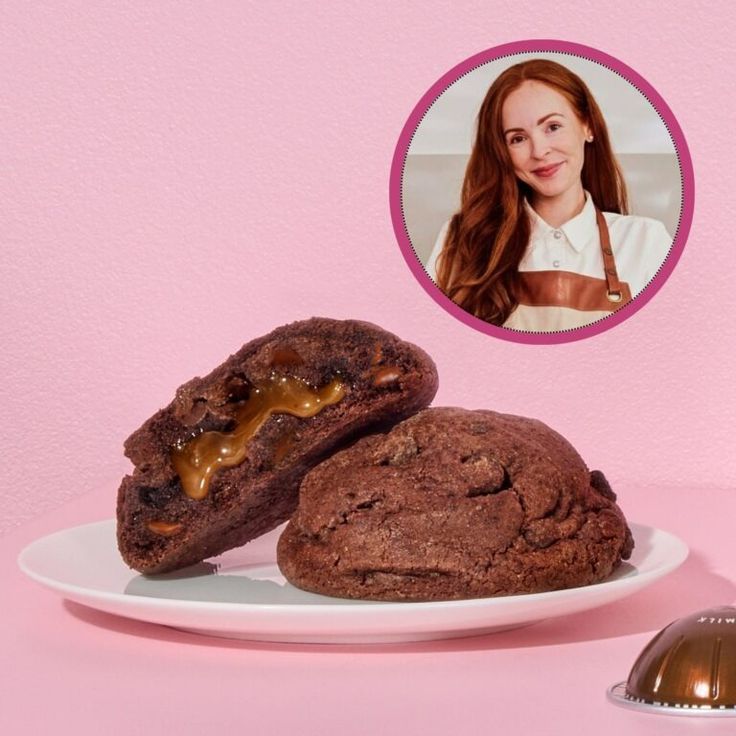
(545,139)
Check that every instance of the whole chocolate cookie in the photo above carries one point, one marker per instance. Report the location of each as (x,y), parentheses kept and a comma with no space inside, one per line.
(449,504)
(222,463)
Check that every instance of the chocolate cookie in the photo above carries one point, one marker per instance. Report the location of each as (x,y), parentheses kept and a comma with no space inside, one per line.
(453,503)
(222,463)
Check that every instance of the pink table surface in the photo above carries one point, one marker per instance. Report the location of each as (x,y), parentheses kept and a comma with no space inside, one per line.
(67,667)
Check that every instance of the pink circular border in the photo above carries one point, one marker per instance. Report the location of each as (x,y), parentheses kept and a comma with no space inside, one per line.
(519,47)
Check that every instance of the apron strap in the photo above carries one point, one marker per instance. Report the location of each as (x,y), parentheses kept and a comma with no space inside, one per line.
(615,292)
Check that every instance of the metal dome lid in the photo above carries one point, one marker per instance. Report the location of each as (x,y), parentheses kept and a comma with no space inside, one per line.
(688,668)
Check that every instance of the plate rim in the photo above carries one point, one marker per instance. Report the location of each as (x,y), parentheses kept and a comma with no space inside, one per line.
(315,609)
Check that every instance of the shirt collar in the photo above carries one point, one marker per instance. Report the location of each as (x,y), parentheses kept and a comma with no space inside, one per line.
(579,231)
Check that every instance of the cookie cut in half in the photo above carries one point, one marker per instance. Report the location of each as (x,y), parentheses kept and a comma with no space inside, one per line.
(222,463)
(451,504)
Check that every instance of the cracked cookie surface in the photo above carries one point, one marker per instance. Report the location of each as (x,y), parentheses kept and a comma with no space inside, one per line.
(453,503)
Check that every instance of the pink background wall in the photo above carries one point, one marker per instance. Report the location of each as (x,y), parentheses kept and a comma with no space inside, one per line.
(181,177)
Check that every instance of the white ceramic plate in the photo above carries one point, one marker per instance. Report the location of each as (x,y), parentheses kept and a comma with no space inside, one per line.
(242,594)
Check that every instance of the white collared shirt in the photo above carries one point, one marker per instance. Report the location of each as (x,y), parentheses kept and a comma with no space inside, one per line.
(640,246)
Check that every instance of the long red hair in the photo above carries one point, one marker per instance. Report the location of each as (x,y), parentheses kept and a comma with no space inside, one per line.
(478,265)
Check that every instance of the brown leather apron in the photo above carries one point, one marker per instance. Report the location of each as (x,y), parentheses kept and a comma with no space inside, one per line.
(573,290)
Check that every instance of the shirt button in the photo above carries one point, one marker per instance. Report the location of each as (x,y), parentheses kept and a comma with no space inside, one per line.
(556,264)
(557,234)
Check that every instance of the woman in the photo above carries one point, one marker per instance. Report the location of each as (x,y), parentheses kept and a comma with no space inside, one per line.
(542,241)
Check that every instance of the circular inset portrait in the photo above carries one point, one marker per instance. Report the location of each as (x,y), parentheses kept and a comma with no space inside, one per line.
(541,191)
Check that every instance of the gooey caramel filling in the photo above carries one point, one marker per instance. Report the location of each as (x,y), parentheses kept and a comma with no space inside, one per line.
(382,375)
(385,375)
(197,460)
(164,528)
